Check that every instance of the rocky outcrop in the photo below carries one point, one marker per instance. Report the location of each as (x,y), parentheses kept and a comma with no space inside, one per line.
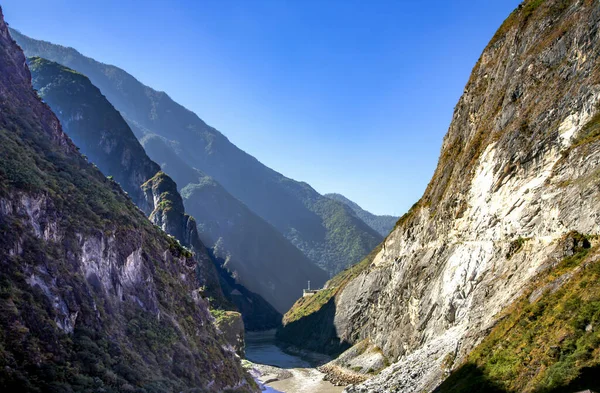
(168,213)
(230,323)
(93,297)
(355,365)
(518,170)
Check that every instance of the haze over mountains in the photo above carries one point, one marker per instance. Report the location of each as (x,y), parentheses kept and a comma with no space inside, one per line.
(326,231)
(105,138)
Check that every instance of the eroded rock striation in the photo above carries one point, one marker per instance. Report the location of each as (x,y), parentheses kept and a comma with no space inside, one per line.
(518,171)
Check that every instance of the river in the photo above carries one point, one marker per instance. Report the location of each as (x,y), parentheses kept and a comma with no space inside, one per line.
(294,374)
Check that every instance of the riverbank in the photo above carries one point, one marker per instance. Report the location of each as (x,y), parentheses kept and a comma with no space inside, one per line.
(281,372)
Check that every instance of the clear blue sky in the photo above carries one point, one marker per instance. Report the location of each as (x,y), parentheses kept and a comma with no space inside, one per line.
(350,96)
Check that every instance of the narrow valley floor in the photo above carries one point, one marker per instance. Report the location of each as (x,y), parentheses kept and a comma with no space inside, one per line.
(283,372)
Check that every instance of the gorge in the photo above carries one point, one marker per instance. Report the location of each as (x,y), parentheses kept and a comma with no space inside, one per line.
(142,251)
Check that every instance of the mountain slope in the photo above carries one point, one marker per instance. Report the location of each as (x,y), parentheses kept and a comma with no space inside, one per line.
(104,137)
(328,233)
(548,339)
(102,134)
(518,172)
(382,224)
(255,253)
(93,297)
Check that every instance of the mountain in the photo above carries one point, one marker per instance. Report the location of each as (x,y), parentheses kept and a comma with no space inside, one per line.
(492,276)
(93,296)
(382,224)
(326,231)
(254,252)
(100,132)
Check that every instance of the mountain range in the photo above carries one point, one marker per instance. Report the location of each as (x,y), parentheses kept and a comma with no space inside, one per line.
(132,235)
(326,231)
(100,132)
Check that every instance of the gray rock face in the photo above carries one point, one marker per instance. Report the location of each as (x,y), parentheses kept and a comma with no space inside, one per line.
(518,169)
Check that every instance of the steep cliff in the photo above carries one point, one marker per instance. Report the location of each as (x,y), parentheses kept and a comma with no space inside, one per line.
(518,171)
(326,231)
(93,297)
(161,192)
(100,132)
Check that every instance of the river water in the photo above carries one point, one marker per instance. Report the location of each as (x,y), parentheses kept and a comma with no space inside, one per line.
(301,375)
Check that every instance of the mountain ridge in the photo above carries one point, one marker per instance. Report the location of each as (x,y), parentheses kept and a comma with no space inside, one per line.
(321,228)
(383,224)
(100,132)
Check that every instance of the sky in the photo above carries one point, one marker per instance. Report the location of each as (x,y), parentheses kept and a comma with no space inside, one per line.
(350,96)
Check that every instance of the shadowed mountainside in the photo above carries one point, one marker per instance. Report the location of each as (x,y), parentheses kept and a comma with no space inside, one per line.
(101,133)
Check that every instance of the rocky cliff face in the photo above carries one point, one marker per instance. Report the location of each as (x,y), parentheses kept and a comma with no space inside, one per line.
(93,297)
(168,213)
(231,325)
(518,170)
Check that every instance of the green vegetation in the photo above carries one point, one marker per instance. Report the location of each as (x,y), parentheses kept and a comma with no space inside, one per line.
(545,345)
(530,6)
(311,304)
(347,238)
(516,246)
(309,323)
(93,297)
(530,11)
(590,131)
(382,224)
